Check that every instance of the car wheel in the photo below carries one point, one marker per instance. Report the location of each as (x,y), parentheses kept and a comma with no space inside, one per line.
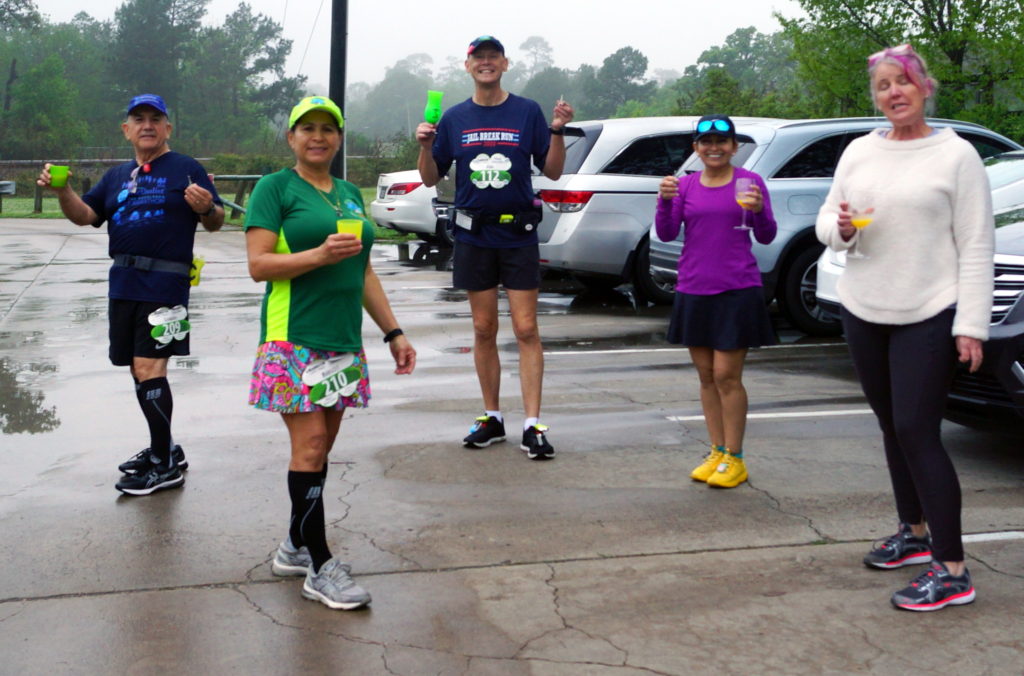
(445,233)
(797,300)
(657,292)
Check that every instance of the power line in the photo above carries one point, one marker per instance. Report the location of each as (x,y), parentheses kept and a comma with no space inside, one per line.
(310,38)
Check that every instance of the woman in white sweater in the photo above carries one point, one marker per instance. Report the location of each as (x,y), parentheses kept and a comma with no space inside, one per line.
(916,296)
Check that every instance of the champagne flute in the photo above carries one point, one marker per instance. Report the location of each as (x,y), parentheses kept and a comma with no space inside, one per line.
(860,219)
(743,186)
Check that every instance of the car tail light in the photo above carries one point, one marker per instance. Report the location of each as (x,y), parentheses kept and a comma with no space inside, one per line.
(403,188)
(565,201)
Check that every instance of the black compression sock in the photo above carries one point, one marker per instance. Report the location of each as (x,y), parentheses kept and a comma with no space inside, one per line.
(155,400)
(307,527)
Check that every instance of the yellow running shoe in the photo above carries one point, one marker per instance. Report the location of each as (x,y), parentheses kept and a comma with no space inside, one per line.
(707,468)
(730,473)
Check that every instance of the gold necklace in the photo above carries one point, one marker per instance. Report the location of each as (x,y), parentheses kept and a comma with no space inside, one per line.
(336,205)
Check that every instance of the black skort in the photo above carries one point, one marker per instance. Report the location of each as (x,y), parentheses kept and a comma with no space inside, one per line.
(731,320)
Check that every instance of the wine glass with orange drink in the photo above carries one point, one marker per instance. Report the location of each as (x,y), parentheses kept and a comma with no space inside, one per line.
(860,219)
(744,199)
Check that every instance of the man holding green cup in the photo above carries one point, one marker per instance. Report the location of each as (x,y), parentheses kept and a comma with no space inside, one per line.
(151,205)
(494,139)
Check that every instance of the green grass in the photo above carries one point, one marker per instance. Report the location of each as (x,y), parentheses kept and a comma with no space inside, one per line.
(21,207)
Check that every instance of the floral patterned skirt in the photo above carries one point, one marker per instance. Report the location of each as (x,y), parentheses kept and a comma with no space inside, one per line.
(276,383)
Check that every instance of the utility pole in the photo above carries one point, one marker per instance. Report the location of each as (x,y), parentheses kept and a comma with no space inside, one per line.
(336,88)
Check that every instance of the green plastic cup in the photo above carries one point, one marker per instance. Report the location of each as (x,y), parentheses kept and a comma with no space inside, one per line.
(432,113)
(58,175)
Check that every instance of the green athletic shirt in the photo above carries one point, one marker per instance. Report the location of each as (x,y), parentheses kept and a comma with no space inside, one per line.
(323,308)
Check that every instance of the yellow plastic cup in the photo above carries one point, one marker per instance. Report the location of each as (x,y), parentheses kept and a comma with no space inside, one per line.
(58,175)
(350,226)
(197,270)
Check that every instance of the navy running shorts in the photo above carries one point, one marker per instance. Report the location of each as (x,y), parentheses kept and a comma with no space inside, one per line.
(130,333)
(477,268)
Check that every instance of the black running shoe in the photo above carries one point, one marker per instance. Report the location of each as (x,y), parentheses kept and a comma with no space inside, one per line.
(901,549)
(535,444)
(935,589)
(156,478)
(143,460)
(486,430)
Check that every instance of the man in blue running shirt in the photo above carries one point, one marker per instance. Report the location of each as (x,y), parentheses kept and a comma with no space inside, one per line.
(493,138)
(151,205)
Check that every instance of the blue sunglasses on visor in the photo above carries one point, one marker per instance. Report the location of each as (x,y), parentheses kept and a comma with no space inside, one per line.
(719,125)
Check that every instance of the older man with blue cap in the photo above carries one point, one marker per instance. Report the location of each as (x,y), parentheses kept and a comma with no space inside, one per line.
(151,205)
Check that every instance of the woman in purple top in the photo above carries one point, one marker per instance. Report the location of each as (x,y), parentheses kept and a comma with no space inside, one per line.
(719,310)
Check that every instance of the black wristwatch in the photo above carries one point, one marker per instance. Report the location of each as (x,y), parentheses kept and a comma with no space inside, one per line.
(392,334)
(557,132)
(213,207)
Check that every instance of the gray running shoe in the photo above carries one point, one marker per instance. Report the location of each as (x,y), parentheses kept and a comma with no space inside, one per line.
(934,589)
(901,549)
(290,560)
(333,587)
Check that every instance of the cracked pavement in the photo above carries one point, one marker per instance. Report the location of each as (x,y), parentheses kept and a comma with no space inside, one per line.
(606,561)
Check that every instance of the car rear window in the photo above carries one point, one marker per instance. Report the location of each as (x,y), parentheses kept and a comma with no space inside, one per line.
(652,156)
(985,145)
(578,144)
(818,159)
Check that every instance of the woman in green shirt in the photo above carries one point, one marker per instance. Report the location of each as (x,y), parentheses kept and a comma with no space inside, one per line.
(309,239)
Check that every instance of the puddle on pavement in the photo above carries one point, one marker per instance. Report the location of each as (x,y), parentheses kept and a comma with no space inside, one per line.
(21,408)
(640,339)
(251,299)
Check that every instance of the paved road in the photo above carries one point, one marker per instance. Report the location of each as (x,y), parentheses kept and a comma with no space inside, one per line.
(606,561)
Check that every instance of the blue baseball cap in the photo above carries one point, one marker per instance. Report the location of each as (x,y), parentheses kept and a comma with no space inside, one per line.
(485,40)
(151,100)
(714,125)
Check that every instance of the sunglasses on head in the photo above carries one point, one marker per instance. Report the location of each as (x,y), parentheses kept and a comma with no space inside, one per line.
(718,125)
(902,50)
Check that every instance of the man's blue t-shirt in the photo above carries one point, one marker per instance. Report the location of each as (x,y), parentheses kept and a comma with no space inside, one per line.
(148,216)
(492,147)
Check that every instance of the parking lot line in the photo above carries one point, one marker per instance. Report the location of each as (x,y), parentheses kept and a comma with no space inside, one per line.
(780,414)
(992,537)
(785,346)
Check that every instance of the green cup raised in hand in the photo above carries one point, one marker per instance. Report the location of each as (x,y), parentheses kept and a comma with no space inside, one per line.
(432,111)
(58,175)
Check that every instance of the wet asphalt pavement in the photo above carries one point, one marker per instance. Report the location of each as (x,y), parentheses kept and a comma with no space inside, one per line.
(607,560)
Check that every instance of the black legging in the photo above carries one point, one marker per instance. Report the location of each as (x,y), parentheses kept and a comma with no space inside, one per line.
(905,371)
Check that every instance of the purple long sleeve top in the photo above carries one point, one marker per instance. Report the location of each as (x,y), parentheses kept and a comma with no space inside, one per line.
(716,257)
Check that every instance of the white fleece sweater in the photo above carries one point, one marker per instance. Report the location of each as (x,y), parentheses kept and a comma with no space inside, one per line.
(931,242)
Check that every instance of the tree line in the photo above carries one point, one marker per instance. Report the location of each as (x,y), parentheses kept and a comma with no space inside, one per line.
(64,83)
(815,66)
